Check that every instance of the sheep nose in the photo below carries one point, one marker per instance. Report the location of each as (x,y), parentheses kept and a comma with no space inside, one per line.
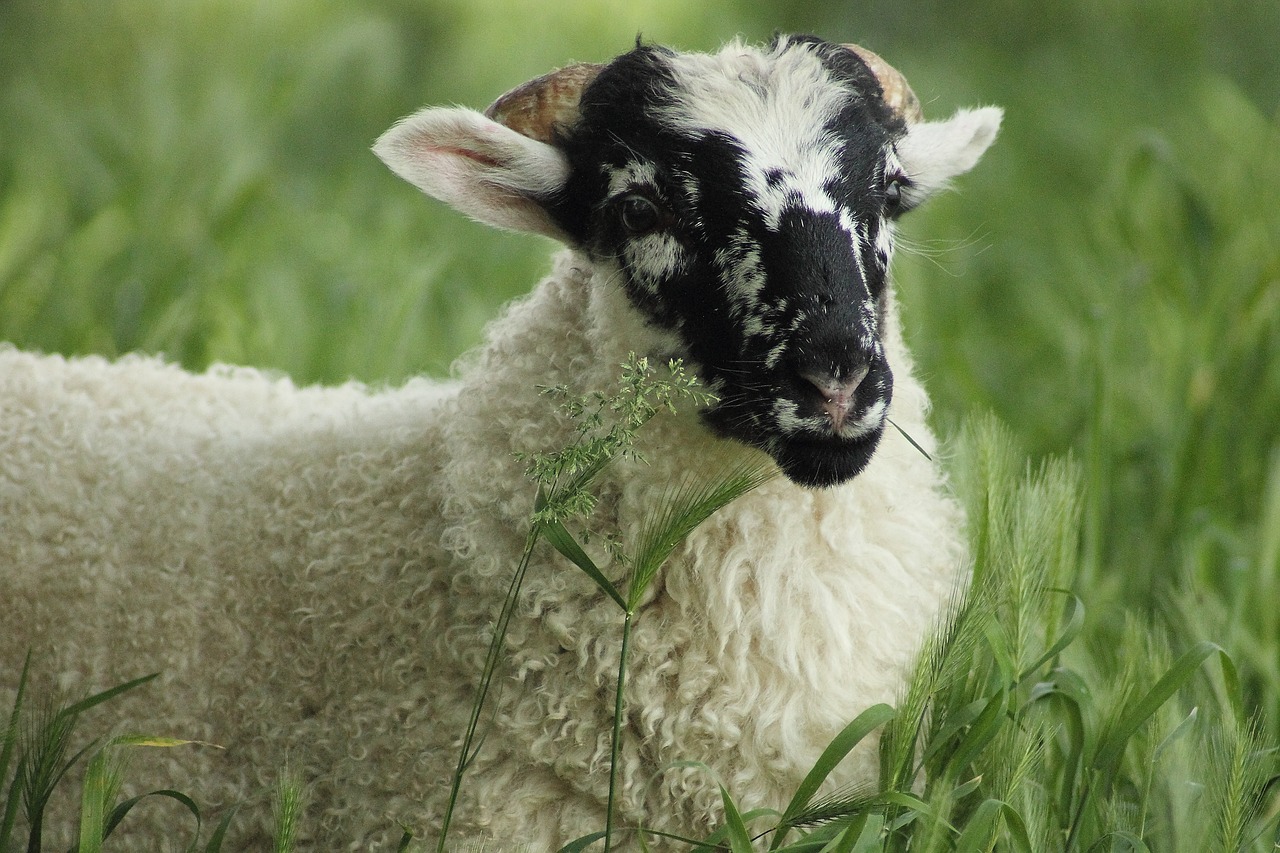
(837,392)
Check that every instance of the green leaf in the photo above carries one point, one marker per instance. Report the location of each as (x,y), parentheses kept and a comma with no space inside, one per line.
(1075,624)
(984,730)
(219,832)
(1133,843)
(911,440)
(695,499)
(96,822)
(980,828)
(980,831)
(999,650)
(907,801)
(106,695)
(8,739)
(956,721)
(848,837)
(869,842)
(1018,830)
(154,742)
(1073,767)
(580,844)
(840,746)
(1180,731)
(98,790)
(913,810)
(1231,682)
(122,809)
(739,838)
(966,788)
(562,540)
(1138,711)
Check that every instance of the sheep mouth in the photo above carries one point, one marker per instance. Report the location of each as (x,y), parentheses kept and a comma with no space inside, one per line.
(807,450)
(822,462)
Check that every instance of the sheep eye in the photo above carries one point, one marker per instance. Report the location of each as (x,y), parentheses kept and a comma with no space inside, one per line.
(639,215)
(893,194)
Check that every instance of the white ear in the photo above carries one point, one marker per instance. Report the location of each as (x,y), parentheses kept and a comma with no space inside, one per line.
(934,152)
(479,167)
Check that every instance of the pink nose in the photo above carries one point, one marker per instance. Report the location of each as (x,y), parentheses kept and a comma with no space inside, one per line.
(837,394)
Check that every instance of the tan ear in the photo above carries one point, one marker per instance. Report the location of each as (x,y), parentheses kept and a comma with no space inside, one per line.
(499,168)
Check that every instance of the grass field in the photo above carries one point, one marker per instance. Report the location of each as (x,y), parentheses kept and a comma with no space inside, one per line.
(194,178)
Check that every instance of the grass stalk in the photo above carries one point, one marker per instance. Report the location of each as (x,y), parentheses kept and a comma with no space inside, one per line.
(290,800)
(619,710)
(8,745)
(467,754)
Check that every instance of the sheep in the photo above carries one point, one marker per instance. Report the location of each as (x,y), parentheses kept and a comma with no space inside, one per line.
(316,571)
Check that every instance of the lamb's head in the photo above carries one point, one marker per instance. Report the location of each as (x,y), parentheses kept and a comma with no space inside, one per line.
(745,201)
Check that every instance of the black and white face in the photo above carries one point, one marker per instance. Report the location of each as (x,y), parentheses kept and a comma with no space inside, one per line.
(744,200)
(748,198)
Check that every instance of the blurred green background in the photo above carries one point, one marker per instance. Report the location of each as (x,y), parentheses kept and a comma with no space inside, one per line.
(193,177)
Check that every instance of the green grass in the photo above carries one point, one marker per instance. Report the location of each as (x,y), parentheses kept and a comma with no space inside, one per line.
(194,178)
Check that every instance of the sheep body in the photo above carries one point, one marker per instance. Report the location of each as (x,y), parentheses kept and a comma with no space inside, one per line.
(316,586)
(316,572)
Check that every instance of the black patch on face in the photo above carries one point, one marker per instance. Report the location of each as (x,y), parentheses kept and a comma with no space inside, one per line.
(615,128)
(757,309)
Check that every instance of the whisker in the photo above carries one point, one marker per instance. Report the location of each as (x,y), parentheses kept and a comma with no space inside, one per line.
(934,250)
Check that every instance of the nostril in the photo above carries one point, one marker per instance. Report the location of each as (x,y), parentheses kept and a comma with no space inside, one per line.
(833,386)
(859,374)
(837,392)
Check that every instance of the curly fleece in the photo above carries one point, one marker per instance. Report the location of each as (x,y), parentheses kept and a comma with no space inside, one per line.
(315,573)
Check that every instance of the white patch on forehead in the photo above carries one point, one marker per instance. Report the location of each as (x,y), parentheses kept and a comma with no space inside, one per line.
(631,175)
(777,105)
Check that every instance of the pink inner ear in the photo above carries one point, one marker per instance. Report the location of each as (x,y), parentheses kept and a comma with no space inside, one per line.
(453,151)
(479,167)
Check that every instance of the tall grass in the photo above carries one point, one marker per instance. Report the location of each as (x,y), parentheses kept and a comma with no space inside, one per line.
(1013,734)
(36,761)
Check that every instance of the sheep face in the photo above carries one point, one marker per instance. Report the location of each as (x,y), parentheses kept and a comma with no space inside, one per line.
(746,201)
